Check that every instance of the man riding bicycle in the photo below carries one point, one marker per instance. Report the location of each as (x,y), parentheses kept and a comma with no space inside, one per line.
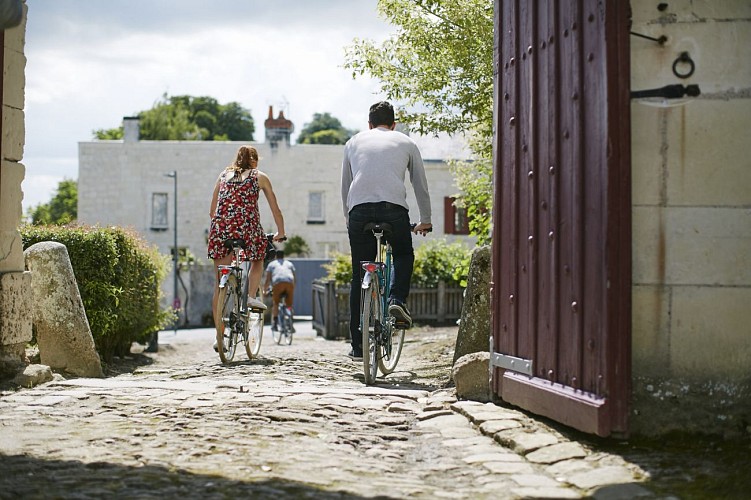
(375,164)
(280,273)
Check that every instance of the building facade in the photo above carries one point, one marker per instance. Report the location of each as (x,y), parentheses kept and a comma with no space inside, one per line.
(129,183)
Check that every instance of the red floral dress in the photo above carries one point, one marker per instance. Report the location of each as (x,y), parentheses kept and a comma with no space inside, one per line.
(237,216)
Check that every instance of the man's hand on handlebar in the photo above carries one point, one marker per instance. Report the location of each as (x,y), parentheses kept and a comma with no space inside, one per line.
(422,228)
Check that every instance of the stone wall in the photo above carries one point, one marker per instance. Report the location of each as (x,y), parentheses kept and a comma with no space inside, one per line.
(15,302)
(691,220)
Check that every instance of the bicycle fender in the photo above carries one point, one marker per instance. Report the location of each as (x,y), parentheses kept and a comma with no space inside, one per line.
(366,280)
(223,281)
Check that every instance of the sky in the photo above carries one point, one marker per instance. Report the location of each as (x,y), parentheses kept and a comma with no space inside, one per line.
(92,62)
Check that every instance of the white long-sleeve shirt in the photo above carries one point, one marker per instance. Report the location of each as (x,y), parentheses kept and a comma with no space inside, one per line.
(374,168)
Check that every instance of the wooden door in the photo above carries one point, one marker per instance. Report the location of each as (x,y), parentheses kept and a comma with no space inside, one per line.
(561,268)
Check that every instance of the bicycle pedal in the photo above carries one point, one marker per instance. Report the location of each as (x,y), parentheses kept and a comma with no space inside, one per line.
(402,324)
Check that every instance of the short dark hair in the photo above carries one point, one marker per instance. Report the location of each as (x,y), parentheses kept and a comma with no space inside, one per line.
(381,113)
(280,254)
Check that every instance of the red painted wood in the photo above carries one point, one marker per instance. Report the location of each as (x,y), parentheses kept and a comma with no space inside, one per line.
(560,286)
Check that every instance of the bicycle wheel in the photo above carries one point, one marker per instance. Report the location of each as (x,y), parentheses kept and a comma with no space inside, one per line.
(370,306)
(285,318)
(254,333)
(226,338)
(277,330)
(392,341)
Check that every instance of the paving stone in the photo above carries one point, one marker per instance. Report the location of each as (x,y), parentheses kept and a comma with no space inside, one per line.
(524,441)
(565,468)
(541,493)
(556,453)
(500,467)
(446,421)
(491,427)
(535,480)
(492,457)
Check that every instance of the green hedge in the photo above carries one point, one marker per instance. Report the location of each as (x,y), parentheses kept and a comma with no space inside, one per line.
(435,261)
(119,279)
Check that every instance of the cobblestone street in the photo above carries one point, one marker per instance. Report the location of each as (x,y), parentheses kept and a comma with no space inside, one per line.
(298,422)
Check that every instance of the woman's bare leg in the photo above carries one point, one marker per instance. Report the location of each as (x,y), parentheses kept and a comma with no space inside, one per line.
(224,261)
(254,280)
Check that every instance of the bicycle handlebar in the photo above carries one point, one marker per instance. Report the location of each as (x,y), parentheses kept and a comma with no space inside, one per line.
(270,237)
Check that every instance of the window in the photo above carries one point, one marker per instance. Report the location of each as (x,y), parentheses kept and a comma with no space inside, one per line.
(454,218)
(159,211)
(316,208)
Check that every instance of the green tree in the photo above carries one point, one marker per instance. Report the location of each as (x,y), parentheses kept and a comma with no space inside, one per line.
(62,208)
(324,129)
(439,63)
(187,118)
(296,245)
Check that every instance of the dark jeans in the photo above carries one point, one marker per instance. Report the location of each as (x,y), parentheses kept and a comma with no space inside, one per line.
(363,247)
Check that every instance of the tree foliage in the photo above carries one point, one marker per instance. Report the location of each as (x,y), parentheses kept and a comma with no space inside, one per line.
(62,208)
(187,118)
(296,245)
(439,64)
(324,129)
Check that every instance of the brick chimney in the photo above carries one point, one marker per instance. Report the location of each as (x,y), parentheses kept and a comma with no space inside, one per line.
(278,129)
(131,129)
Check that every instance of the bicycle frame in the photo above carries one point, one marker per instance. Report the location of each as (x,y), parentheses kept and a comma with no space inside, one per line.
(239,269)
(381,269)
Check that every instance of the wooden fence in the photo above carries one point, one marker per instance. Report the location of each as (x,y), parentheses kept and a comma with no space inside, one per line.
(427,305)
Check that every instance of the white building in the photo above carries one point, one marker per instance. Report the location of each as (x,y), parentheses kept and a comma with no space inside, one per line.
(125,183)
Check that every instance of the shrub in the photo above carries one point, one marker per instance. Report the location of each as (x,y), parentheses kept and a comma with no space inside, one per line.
(118,277)
(339,269)
(435,261)
(296,245)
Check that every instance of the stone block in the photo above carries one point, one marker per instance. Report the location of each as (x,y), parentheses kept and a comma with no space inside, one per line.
(11,176)
(471,376)
(63,334)
(707,245)
(474,328)
(647,169)
(692,246)
(649,245)
(14,133)
(709,334)
(15,308)
(14,80)
(650,320)
(710,162)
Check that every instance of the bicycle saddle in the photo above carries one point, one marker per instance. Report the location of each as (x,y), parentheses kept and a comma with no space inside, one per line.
(234,242)
(378,227)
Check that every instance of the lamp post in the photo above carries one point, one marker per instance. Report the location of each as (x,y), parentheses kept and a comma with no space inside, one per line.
(176,299)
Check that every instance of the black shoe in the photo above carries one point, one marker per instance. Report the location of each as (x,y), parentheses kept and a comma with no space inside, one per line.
(355,354)
(399,311)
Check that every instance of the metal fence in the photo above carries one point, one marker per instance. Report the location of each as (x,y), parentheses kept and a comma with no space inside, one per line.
(427,305)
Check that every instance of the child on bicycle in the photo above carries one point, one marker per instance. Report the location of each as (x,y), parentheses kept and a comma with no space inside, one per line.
(376,161)
(234,214)
(280,275)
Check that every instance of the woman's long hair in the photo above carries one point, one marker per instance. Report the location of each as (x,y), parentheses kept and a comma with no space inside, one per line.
(246,157)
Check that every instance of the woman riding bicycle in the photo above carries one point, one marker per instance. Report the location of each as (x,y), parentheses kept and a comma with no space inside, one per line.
(234,214)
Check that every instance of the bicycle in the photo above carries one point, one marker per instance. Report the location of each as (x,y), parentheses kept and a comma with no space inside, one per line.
(284,330)
(239,323)
(382,335)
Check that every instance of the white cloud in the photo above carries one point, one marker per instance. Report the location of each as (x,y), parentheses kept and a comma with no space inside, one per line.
(90,63)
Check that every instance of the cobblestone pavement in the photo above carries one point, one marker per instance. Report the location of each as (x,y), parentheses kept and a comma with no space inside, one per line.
(297,422)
